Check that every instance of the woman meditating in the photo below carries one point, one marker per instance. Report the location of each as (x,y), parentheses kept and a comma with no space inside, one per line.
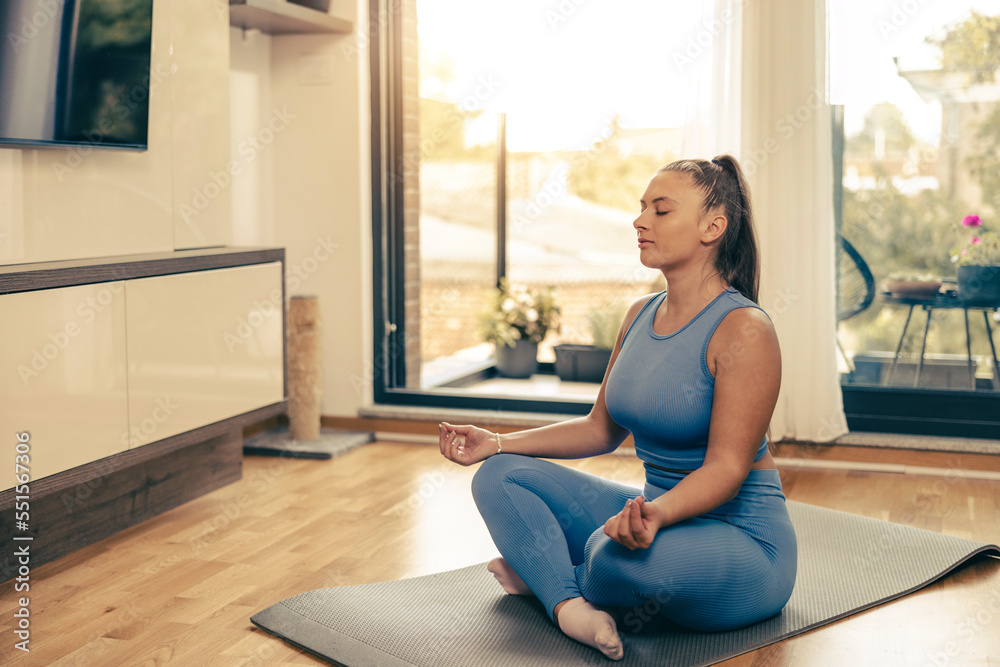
(694,377)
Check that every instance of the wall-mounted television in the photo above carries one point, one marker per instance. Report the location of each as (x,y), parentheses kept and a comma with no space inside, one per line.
(75,72)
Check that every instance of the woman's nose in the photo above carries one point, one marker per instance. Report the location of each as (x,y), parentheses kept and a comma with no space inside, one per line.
(638,222)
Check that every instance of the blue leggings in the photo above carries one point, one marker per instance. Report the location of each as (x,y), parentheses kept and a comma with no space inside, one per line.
(719,571)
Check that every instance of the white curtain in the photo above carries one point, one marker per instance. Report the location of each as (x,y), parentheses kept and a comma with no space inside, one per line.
(758,91)
(786,151)
(711,59)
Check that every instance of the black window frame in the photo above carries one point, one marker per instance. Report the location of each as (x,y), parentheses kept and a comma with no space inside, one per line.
(892,410)
(388,286)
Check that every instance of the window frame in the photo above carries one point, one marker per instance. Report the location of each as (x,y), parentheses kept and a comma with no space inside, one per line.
(388,370)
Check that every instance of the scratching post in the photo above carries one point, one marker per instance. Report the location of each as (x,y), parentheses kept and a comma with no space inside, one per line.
(304,438)
(305,375)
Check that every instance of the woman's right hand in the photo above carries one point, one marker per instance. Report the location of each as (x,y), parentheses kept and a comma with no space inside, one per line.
(466,445)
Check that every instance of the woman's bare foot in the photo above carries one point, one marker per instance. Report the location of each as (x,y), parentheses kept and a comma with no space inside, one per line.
(508,577)
(589,625)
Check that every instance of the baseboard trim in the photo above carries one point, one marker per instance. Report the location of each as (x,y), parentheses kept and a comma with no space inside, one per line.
(76,515)
(103,467)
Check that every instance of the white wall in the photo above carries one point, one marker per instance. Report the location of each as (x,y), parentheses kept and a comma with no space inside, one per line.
(287,116)
(68,203)
(300,135)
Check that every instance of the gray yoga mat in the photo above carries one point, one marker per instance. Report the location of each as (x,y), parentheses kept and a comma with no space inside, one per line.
(847,563)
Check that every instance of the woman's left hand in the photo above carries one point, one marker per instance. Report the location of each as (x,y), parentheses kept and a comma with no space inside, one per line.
(636,525)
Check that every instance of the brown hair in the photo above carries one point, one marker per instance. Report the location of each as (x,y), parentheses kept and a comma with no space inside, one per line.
(721,179)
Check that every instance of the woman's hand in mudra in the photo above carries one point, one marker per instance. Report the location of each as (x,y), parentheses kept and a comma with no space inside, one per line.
(466,445)
(636,525)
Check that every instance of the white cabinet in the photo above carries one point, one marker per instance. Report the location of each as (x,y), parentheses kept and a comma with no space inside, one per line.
(99,369)
(202,347)
(64,375)
(135,376)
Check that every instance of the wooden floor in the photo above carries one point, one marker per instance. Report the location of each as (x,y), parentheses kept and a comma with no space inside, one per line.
(179,589)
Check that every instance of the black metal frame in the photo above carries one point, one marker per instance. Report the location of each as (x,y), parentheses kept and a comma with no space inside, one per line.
(894,409)
(945,412)
(388,283)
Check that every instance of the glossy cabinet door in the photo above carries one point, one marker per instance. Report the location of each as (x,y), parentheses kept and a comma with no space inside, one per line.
(62,355)
(202,346)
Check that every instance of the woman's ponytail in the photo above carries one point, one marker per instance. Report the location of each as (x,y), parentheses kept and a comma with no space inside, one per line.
(724,184)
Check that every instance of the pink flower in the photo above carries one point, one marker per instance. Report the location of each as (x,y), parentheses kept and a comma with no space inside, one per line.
(972,221)
(975,240)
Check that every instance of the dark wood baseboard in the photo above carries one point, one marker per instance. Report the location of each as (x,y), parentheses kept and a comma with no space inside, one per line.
(72,516)
(154,450)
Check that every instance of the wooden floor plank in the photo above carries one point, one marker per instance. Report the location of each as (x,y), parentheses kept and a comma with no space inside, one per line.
(179,589)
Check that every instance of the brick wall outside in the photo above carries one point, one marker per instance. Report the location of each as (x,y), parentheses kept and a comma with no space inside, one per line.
(411,191)
(450,313)
(443,303)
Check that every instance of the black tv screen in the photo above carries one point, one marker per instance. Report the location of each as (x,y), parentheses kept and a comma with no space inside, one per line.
(75,72)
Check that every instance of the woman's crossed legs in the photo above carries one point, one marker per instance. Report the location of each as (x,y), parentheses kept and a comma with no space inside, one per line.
(547,521)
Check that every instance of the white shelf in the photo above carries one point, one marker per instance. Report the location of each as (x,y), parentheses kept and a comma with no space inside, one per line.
(278,17)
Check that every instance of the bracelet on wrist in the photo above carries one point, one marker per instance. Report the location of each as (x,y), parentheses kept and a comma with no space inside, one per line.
(499,448)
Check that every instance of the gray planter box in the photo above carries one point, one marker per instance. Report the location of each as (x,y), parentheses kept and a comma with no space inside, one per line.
(581,363)
(937,373)
(979,285)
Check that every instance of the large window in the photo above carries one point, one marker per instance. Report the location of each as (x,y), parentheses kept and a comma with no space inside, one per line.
(920,152)
(516,139)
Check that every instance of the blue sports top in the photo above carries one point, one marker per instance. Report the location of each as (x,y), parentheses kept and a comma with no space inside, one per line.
(660,388)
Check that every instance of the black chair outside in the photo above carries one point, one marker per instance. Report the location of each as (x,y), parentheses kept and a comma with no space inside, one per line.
(855,288)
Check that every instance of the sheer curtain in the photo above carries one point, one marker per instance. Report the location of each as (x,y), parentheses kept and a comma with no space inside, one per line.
(712,61)
(760,94)
(786,150)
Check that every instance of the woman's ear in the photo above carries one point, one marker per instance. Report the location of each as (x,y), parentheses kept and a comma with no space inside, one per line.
(713,226)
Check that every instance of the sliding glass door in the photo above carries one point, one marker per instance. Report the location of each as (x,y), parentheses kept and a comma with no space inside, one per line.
(515,140)
(920,199)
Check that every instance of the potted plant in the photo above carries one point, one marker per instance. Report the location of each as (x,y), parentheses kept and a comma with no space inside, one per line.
(516,322)
(912,284)
(587,363)
(978,265)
